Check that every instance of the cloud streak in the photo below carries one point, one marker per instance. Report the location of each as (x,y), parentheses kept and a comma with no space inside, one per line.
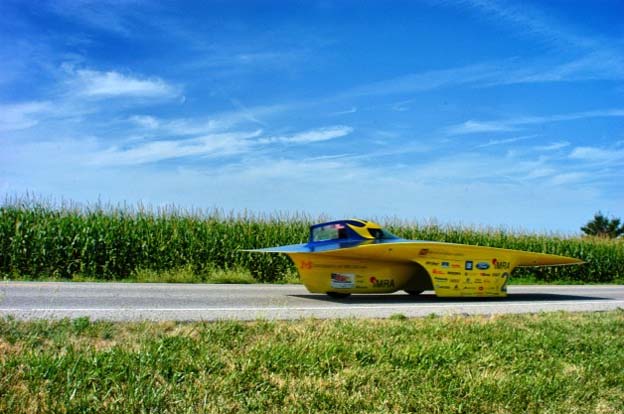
(598,65)
(596,154)
(426,81)
(111,84)
(476,127)
(530,21)
(317,135)
(22,115)
(494,142)
(511,124)
(552,147)
(212,145)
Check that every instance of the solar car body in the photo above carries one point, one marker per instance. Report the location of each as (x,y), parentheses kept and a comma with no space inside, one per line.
(358,256)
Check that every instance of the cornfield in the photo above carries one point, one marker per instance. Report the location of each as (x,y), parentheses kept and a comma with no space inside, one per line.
(39,239)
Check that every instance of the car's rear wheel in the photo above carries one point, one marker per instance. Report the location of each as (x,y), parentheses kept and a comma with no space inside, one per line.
(338,295)
(414,292)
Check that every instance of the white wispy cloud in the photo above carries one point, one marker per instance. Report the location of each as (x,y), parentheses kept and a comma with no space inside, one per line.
(601,113)
(594,65)
(510,124)
(425,81)
(315,135)
(494,142)
(596,154)
(474,127)
(540,172)
(248,117)
(22,115)
(99,84)
(530,21)
(568,178)
(145,121)
(352,110)
(118,16)
(402,105)
(594,57)
(552,147)
(211,145)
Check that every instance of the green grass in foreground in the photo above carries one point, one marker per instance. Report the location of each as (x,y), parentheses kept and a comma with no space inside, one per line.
(557,363)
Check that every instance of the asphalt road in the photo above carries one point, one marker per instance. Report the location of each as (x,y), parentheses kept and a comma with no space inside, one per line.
(155,301)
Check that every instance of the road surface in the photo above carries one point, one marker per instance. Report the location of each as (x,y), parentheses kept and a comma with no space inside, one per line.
(185,302)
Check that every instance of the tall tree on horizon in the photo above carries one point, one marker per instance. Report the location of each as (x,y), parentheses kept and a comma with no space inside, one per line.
(602,226)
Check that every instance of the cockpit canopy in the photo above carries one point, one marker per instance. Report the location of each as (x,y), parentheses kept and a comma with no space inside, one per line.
(348,230)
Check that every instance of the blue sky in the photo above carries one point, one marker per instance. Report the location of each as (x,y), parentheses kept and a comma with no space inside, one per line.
(468,112)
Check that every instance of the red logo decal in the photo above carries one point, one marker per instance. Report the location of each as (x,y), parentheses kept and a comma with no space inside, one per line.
(306,265)
(373,280)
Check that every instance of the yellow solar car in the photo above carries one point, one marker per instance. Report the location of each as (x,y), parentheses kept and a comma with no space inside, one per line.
(358,256)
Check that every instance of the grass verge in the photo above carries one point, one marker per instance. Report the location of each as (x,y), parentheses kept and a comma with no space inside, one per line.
(559,362)
(187,275)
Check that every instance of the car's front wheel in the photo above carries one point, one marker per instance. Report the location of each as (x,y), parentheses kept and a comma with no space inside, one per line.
(338,295)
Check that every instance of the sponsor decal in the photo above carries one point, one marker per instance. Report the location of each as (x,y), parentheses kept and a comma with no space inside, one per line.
(453,273)
(430,263)
(468,265)
(483,266)
(306,265)
(342,280)
(455,265)
(456,287)
(444,264)
(423,252)
(485,274)
(500,265)
(440,279)
(382,283)
(442,287)
(480,288)
(437,272)
(454,280)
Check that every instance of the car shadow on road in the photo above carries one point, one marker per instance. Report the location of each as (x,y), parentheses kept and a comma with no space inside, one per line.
(432,298)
